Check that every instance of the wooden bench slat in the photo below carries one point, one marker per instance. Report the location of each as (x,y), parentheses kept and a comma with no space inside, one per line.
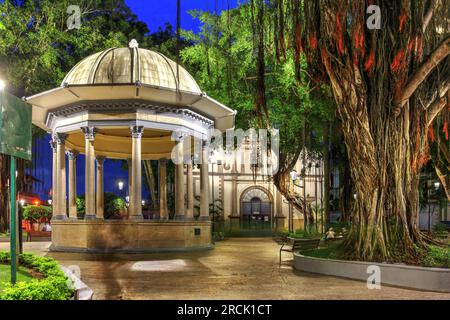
(293,244)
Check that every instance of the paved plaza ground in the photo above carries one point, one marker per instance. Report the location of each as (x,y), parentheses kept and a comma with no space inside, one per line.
(237,268)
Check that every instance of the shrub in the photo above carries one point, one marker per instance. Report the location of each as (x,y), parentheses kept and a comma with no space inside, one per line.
(113,205)
(81,207)
(37,213)
(437,257)
(54,285)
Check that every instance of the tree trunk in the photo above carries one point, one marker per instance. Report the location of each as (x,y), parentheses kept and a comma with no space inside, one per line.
(385,223)
(151,183)
(345,192)
(326,173)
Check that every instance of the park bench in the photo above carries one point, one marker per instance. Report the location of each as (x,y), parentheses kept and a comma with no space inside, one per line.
(293,245)
(280,239)
(38,234)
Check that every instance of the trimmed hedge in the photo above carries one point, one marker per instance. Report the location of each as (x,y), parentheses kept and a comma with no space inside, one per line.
(53,286)
(37,213)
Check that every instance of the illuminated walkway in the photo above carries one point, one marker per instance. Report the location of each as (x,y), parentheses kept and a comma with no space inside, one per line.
(239,268)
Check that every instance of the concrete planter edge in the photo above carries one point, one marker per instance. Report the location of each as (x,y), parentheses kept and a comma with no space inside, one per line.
(82,291)
(414,277)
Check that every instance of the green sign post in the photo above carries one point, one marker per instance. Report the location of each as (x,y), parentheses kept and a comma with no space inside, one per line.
(15,141)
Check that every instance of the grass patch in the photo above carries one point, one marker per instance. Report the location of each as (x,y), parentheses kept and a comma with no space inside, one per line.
(5,275)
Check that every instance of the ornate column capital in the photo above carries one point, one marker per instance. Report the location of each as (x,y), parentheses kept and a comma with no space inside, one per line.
(179,136)
(53,145)
(100,159)
(72,154)
(60,138)
(89,132)
(137,131)
(205,144)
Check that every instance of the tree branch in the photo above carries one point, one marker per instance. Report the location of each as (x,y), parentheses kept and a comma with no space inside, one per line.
(439,103)
(429,14)
(424,70)
(444,181)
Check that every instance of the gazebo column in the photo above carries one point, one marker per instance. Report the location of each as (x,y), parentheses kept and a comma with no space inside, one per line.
(163,214)
(89,134)
(72,155)
(204,183)
(53,145)
(100,196)
(61,207)
(129,164)
(190,192)
(136,174)
(180,210)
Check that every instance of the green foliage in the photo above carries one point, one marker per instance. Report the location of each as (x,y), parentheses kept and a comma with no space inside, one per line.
(113,205)
(54,285)
(332,251)
(310,233)
(222,60)
(81,206)
(23,274)
(440,228)
(37,213)
(437,257)
(37,49)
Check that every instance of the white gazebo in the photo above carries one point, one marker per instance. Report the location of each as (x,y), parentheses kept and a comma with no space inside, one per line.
(126,103)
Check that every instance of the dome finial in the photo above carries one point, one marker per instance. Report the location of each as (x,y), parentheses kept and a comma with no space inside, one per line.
(133,44)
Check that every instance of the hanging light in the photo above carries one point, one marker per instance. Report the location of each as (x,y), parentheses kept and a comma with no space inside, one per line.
(143,202)
(50,201)
(437,185)
(120,185)
(22,202)
(127,199)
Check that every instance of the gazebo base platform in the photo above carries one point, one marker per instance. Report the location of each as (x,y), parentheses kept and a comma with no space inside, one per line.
(130,236)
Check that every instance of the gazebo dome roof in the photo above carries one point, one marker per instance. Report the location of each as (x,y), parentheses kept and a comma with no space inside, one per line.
(135,84)
(130,66)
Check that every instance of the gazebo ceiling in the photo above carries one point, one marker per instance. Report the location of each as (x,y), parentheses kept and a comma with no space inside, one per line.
(115,143)
(127,74)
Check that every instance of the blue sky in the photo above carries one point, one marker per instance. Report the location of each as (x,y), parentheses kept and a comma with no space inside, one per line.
(157,12)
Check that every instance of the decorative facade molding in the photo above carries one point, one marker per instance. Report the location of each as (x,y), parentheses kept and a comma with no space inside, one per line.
(126,106)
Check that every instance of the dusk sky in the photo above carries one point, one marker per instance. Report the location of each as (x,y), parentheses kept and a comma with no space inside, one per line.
(155,13)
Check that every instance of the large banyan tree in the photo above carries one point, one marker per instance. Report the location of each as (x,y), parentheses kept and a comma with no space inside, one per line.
(389,82)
